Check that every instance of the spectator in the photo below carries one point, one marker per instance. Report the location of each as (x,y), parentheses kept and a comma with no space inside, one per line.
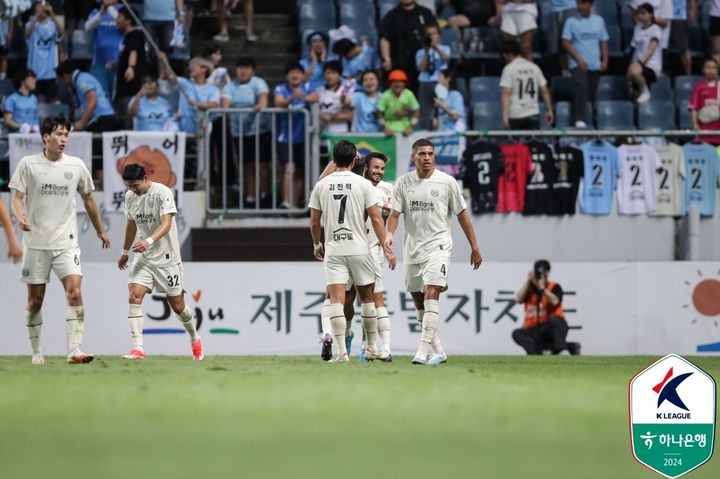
(150,111)
(519,21)
(294,94)
(679,34)
(132,65)
(75,12)
(214,54)
(449,104)
(560,12)
(159,20)
(196,94)
(106,43)
(334,113)
(398,111)
(97,113)
(704,103)
(314,65)
(356,58)
(364,103)
(521,80)
(224,8)
(250,91)
(21,108)
(714,28)
(402,31)
(470,13)
(585,39)
(430,60)
(647,59)
(42,33)
(663,14)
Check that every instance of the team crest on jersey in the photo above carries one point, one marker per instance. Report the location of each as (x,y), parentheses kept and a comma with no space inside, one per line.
(435,192)
(25,272)
(68,175)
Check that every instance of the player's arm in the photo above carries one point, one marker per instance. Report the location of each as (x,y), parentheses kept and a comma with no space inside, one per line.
(14,249)
(466,225)
(164,228)
(19,210)
(378,226)
(130,232)
(329,169)
(9,122)
(318,248)
(392,224)
(87,115)
(94,215)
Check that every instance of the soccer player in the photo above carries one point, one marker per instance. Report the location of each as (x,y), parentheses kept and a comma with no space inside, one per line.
(428,198)
(341,199)
(47,182)
(150,210)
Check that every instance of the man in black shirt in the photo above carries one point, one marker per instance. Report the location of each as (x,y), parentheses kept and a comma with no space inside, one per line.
(132,65)
(402,31)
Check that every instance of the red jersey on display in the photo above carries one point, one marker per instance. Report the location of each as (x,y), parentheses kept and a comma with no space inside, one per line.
(511,187)
(705,94)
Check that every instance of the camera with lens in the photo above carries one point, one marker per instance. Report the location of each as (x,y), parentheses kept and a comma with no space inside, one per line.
(540,271)
(427,40)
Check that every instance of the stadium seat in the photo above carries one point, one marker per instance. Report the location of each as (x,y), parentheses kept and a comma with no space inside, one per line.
(626,20)
(661,89)
(487,115)
(316,16)
(357,15)
(698,46)
(482,43)
(656,114)
(684,86)
(611,87)
(608,9)
(562,88)
(82,45)
(385,6)
(450,37)
(50,109)
(484,89)
(685,120)
(615,115)
(563,114)
(462,86)
(6,88)
(615,46)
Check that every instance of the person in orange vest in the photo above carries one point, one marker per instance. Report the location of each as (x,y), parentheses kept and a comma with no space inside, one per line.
(545,323)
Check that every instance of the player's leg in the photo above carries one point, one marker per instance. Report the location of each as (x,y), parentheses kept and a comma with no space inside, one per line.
(136,317)
(349,311)
(336,277)
(368,313)
(33,320)
(326,339)
(382,314)
(434,274)
(170,281)
(75,319)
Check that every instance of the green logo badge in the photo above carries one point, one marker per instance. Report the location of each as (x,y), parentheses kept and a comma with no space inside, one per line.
(672,416)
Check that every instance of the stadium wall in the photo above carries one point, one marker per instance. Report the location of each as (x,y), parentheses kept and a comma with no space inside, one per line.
(614,308)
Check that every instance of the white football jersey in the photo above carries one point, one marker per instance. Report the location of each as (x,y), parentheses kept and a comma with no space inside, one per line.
(636,179)
(669,180)
(383,190)
(343,199)
(429,205)
(49,188)
(524,79)
(146,210)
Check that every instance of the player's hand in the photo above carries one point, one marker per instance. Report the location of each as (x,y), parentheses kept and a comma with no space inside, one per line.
(389,240)
(141,246)
(541,283)
(123,262)
(24,225)
(387,65)
(15,251)
(319,252)
(105,241)
(388,131)
(392,259)
(506,123)
(549,117)
(408,131)
(475,258)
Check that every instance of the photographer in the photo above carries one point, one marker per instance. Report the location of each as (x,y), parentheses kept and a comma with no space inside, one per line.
(544,318)
(430,60)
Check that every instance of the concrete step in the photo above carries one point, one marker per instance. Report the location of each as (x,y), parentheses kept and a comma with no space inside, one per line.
(260,22)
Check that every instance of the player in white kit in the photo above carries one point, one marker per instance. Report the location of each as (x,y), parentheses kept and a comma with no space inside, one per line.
(47,183)
(152,234)
(342,199)
(429,199)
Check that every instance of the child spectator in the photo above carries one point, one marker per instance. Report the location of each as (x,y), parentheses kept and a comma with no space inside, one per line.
(430,60)
(704,103)
(398,111)
(314,65)
(364,104)
(334,114)
(219,76)
(647,59)
(449,104)
(356,58)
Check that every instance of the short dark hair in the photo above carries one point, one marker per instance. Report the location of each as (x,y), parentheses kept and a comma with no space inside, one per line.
(369,72)
(343,46)
(149,77)
(293,66)
(510,47)
(212,48)
(246,62)
(542,263)
(376,155)
(344,153)
(333,65)
(420,143)
(711,59)
(51,123)
(585,1)
(133,172)
(323,36)
(20,77)
(66,68)
(648,8)
(127,16)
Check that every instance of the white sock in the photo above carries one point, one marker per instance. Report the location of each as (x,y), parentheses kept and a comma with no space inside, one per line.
(437,346)
(34,321)
(384,328)
(325,318)
(337,322)
(368,313)
(75,328)
(429,326)
(186,318)
(136,318)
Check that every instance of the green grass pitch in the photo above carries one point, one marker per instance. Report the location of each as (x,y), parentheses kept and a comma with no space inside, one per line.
(295,417)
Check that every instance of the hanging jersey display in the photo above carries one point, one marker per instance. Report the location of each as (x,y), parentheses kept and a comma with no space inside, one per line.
(702,168)
(566,180)
(599,172)
(538,189)
(668,180)
(481,169)
(636,178)
(511,187)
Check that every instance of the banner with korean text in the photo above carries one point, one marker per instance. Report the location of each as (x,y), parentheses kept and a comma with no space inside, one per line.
(162,154)
(617,308)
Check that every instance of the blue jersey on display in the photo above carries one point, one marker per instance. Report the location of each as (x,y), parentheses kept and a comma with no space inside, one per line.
(43,51)
(84,83)
(151,114)
(364,119)
(298,118)
(24,109)
(598,185)
(702,167)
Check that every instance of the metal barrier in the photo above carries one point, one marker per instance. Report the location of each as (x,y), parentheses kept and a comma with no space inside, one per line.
(266,183)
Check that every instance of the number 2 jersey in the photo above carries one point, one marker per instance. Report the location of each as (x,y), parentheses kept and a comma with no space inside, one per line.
(702,167)
(511,187)
(481,169)
(343,199)
(600,168)
(636,178)
(669,180)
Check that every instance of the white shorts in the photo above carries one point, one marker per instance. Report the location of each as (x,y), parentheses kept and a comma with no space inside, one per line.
(343,269)
(164,279)
(377,258)
(37,264)
(431,272)
(517,23)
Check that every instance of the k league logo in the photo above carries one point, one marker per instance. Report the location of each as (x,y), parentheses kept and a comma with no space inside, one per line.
(672,407)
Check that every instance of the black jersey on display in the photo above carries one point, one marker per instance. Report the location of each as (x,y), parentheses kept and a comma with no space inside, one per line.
(538,188)
(566,180)
(482,166)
